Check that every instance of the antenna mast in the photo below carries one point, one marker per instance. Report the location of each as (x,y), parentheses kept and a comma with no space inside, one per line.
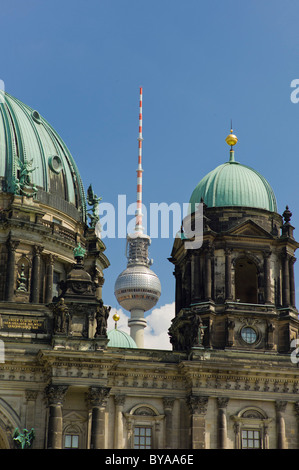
(138,226)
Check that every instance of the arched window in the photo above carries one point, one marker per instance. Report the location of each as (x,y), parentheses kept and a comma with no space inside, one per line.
(246,281)
(143,425)
(251,429)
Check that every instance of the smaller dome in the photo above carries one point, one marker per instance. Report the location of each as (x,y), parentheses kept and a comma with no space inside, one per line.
(120,339)
(234,184)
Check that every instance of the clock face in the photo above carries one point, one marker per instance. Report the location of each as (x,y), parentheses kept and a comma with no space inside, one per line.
(248,335)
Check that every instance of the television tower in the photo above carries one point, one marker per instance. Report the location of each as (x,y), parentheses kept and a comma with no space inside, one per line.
(138,289)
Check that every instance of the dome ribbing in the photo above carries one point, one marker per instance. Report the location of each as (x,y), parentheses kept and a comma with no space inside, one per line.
(120,339)
(234,184)
(27,141)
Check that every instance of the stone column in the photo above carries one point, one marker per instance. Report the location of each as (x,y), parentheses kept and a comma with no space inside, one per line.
(178,289)
(195,277)
(49,278)
(198,408)
(11,262)
(228,274)
(119,401)
(55,395)
(280,407)
(285,280)
(97,398)
(222,422)
(267,280)
(168,403)
(292,281)
(208,274)
(35,274)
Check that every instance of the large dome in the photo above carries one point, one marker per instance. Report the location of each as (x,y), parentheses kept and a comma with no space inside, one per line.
(26,138)
(234,184)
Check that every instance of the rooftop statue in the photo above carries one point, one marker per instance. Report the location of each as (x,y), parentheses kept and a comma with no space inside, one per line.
(93,200)
(24,184)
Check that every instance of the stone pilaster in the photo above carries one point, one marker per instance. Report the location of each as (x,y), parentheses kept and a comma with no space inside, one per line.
(168,403)
(195,277)
(267,280)
(11,263)
(198,408)
(285,280)
(292,281)
(237,430)
(30,396)
(119,401)
(178,289)
(228,274)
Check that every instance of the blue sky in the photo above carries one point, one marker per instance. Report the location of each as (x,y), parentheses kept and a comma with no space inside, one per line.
(201,64)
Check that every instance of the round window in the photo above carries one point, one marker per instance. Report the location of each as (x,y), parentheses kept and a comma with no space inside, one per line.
(55,163)
(36,116)
(248,335)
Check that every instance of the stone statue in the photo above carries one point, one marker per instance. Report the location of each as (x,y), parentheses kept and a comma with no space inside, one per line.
(24,439)
(102,315)
(199,327)
(61,317)
(24,184)
(93,200)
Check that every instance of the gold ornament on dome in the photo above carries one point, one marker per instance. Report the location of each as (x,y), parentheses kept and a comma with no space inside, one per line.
(231,139)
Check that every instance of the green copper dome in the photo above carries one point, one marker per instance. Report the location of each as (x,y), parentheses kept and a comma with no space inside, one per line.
(29,144)
(234,184)
(120,339)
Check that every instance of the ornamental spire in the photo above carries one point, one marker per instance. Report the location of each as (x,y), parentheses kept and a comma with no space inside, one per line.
(231,140)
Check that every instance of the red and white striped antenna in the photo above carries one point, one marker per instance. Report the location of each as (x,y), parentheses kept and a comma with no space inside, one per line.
(138,226)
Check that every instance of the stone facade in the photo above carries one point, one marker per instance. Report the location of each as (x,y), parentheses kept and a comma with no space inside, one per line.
(232,379)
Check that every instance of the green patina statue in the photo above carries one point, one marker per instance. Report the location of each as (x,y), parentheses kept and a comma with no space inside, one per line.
(24,439)
(93,200)
(23,185)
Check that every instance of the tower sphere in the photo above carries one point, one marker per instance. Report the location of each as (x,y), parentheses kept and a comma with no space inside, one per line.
(137,287)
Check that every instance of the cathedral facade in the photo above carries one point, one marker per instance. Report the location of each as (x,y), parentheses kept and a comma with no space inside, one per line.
(231,380)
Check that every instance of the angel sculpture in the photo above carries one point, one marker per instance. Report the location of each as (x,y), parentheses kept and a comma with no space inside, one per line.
(24,439)
(93,200)
(25,185)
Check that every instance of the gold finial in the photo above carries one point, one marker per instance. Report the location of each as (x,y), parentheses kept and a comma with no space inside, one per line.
(231,139)
(116,317)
